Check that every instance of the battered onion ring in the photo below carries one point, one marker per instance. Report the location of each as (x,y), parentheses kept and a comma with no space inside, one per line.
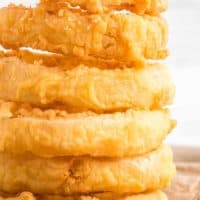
(50,133)
(49,59)
(151,7)
(157,195)
(84,175)
(84,88)
(129,38)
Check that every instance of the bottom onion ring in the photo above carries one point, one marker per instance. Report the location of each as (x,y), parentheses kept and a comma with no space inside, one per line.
(85,175)
(157,195)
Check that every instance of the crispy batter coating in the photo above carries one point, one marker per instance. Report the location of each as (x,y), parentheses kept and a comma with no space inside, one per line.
(120,36)
(54,60)
(58,60)
(61,61)
(50,133)
(83,175)
(151,7)
(157,195)
(84,88)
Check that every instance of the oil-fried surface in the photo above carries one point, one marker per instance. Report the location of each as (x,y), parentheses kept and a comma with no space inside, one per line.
(152,7)
(50,133)
(64,62)
(117,35)
(83,175)
(61,61)
(157,195)
(86,88)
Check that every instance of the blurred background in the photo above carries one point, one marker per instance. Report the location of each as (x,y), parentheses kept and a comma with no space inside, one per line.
(184,44)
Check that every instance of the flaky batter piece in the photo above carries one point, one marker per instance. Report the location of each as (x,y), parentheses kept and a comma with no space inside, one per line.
(49,59)
(151,7)
(157,195)
(50,133)
(117,35)
(86,88)
(84,175)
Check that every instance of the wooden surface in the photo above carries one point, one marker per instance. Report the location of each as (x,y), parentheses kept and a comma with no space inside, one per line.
(186,154)
(186,185)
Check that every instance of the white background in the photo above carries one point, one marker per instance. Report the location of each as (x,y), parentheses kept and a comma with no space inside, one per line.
(184,43)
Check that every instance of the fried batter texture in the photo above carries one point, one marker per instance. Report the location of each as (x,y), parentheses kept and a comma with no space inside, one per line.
(124,37)
(157,195)
(50,133)
(61,61)
(151,7)
(84,88)
(83,175)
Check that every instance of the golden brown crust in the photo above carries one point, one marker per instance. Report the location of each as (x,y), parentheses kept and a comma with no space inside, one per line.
(61,61)
(83,175)
(157,195)
(50,133)
(120,36)
(85,88)
(151,7)
(58,60)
